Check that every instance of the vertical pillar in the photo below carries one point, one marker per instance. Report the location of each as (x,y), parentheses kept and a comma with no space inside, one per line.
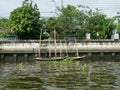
(2,57)
(89,55)
(26,57)
(15,57)
(46,54)
(101,54)
(36,55)
(113,54)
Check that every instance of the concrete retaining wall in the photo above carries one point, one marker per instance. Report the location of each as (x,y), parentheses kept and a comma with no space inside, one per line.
(28,48)
(32,46)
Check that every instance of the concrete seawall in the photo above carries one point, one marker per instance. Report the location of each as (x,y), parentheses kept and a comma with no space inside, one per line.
(31,47)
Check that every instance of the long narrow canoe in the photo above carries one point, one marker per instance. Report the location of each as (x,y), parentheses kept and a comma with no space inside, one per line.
(49,59)
(77,58)
(59,58)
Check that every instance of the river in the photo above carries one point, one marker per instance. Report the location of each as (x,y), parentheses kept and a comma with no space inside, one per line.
(62,75)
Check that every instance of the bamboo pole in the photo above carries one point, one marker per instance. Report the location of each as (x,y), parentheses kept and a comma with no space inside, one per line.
(76,48)
(55,43)
(66,48)
(40,44)
(60,49)
(49,49)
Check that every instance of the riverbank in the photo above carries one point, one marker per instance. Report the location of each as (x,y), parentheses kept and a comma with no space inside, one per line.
(28,48)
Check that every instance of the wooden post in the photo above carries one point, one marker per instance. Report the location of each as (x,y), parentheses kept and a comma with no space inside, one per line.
(113,54)
(49,49)
(101,54)
(89,54)
(55,43)
(26,57)
(76,47)
(60,49)
(40,44)
(2,57)
(15,57)
(66,48)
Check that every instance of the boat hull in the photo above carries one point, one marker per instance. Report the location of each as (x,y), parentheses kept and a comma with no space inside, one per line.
(49,59)
(59,58)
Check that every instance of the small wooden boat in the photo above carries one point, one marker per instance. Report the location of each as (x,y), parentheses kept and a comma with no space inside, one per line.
(49,59)
(77,58)
(55,58)
(59,58)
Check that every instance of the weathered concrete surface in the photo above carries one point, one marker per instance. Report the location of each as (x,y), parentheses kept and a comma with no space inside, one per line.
(83,46)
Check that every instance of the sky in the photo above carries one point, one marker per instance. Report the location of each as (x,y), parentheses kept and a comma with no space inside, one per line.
(109,7)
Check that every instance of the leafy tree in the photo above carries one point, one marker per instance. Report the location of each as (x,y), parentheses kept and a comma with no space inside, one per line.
(3,35)
(4,27)
(51,25)
(79,20)
(24,21)
(4,23)
(70,20)
(100,26)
